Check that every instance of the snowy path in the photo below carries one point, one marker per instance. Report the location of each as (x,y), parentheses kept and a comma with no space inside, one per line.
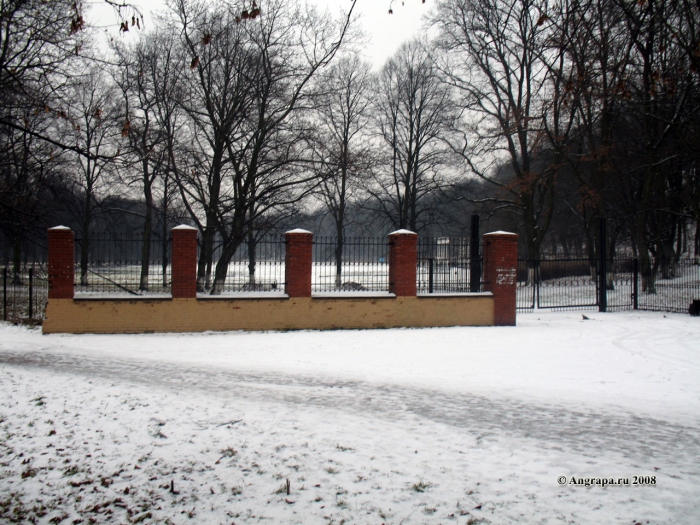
(369,427)
(583,431)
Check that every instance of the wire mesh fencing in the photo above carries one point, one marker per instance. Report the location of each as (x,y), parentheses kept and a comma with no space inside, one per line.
(117,265)
(354,264)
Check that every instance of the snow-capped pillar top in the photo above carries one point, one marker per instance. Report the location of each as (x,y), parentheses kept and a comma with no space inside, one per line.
(297,263)
(61,263)
(184,262)
(403,257)
(501,274)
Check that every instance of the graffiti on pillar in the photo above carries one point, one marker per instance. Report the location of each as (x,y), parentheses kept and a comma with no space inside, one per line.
(505,276)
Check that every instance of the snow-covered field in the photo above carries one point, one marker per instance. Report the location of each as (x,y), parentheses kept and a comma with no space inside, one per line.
(448,425)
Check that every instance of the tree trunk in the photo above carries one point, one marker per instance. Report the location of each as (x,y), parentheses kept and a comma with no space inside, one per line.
(646,270)
(205,259)
(227,254)
(340,243)
(85,245)
(16,261)
(164,233)
(251,260)
(147,227)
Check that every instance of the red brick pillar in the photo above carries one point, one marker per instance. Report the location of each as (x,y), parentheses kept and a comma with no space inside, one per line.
(501,274)
(297,263)
(403,257)
(184,257)
(61,265)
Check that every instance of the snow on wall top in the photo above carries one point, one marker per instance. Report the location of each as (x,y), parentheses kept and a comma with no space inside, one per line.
(403,232)
(298,230)
(59,228)
(184,227)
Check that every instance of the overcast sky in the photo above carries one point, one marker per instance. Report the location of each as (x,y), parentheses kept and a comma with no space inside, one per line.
(386,32)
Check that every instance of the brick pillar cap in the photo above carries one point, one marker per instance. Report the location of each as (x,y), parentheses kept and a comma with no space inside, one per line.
(500,232)
(60,228)
(184,227)
(403,232)
(299,230)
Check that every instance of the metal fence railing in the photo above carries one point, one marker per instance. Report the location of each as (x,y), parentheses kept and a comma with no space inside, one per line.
(556,284)
(568,284)
(447,265)
(24,292)
(672,292)
(363,265)
(257,266)
(444,265)
(114,265)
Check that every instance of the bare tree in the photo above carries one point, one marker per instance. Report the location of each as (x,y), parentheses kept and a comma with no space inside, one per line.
(147,74)
(343,143)
(665,95)
(91,120)
(413,112)
(251,90)
(493,55)
(588,74)
(35,49)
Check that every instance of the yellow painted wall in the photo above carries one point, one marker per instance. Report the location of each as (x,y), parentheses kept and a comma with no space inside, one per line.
(197,315)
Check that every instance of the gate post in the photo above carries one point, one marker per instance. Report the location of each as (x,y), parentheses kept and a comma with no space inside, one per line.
(297,263)
(184,262)
(61,266)
(403,257)
(500,274)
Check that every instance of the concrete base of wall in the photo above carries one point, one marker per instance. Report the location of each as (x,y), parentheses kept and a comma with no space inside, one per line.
(108,316)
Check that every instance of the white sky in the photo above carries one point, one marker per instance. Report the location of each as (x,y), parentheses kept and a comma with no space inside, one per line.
(386,32)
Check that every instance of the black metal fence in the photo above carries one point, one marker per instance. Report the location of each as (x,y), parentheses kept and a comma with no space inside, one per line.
(114,266)
(24,292)
(444,265)
(449,265)
(363,265)
(575,284)
(672,292)
(257,266)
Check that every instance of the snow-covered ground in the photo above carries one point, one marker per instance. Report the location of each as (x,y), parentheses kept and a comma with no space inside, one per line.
(448,425)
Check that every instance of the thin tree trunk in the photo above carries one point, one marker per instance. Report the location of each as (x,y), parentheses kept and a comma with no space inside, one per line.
(251,260)
(340,242)
(147,228)
(227,254)
(85,245)
(16,261)
(205,260)
(164,233)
